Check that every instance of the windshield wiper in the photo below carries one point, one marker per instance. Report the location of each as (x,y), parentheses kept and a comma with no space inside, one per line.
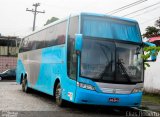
(123,70)
(110,63)
(105,69)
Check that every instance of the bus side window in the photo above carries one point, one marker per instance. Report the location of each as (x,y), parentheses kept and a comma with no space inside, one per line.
(55,34)
(21,45)
(24,45)
(71,56)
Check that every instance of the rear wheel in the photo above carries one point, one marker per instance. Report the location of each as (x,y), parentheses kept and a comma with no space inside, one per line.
(58,95)
(25,85)
(0,78)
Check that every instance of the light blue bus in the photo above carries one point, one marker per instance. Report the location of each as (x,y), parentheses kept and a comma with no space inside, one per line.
(85,59)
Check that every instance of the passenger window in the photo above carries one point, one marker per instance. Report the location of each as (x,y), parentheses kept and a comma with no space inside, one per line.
(56,34)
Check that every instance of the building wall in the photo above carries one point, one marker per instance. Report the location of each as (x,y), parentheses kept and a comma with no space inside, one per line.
(8,52)
(152,77)
(7,63)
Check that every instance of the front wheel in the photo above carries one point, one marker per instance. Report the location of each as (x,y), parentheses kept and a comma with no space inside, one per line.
(58,95)
(24,85)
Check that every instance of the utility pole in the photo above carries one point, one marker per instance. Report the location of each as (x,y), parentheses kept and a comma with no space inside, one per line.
(35,13)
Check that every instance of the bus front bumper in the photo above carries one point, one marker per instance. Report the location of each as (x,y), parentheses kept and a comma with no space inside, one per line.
(84,96)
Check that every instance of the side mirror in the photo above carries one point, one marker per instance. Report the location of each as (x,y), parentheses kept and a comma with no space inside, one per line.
(78,42)
(153,56)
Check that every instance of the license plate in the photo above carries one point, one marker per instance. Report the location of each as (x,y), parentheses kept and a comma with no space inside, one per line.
(113,99)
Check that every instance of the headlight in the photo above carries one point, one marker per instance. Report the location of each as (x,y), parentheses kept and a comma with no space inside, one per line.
(136,90)
(85,86)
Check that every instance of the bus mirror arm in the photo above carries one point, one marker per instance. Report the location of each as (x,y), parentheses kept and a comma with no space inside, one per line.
(150,60)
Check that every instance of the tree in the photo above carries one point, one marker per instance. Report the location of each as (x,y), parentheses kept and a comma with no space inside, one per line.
(157,23)
(151,31)
(53,19)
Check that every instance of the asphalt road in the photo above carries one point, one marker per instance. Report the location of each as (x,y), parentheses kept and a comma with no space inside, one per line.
(15,103)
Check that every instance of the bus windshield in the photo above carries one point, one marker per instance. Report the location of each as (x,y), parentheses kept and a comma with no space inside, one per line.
(106,27)
(111,61)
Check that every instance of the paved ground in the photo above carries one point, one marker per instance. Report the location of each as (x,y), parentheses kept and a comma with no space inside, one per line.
(15,103)
(151,106)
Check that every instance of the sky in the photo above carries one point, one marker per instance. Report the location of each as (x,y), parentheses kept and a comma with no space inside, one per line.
(16,21)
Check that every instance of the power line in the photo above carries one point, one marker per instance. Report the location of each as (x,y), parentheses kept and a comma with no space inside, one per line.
(141,9)
(35,13)
(126,7)
(146,12)
(149,20)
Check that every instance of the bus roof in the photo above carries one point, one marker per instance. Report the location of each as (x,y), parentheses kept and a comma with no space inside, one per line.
(82,13)
(109,16)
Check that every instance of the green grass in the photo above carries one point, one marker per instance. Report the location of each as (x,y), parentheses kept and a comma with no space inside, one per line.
(151,98)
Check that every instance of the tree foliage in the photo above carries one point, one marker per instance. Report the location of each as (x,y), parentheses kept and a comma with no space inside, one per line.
(151,31)
(157,23)
(148,52)
(153,50)
(53,19)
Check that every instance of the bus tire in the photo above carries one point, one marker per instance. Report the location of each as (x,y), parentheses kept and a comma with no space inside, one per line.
(24,85)
(58,96)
